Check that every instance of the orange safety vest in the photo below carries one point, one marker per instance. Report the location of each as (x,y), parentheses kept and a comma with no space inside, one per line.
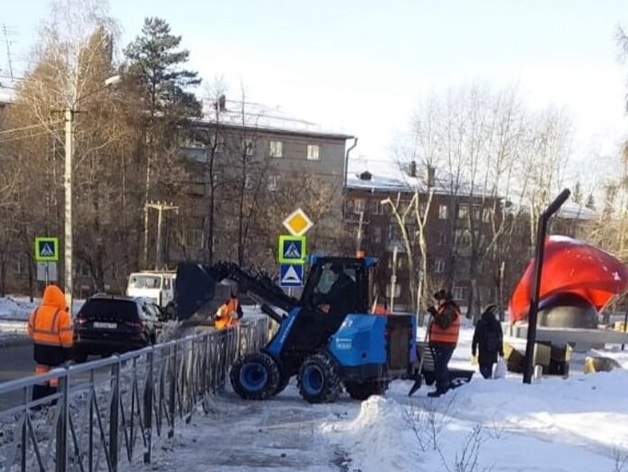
(449,335)
(227,314)
(380,310)
(50,328)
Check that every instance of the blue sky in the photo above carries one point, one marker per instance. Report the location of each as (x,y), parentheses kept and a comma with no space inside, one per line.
(361,66)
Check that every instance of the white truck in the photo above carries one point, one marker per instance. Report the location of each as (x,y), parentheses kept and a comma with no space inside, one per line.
(157,286)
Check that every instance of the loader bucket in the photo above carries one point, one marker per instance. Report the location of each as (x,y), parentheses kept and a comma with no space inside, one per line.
(197,292)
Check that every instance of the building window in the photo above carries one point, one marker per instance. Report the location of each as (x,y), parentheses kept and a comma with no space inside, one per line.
(397,290)
(477,212)
(220,144)
(194,238)
(377,234)
(83,270)
(486,215)
(273,183)
(460,294)
(442,212)
(247,146)
(463,211)
(463,238)
(359,205)
(196,188)
(18,267)
(393,232)
(376,207)
(422,209)
(411,231)
(192,141)
(276,149)
(439,266)
(442,238)
(313,152)
(248,182)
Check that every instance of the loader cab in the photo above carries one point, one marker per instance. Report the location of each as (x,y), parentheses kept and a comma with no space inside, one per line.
(329,275)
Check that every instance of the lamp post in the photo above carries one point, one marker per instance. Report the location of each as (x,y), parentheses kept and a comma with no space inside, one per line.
(70,111)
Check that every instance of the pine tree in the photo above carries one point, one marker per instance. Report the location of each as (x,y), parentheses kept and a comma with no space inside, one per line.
(155,70)
(155,62)
(590,202)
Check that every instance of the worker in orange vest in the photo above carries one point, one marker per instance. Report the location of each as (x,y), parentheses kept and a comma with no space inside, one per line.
(229,313)
(444,330)
(50,328)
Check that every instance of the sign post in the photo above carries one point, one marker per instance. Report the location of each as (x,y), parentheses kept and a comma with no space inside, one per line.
(292,250)
(46,256)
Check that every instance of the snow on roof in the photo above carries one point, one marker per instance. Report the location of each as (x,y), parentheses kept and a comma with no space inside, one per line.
(390,176)
(575,211)
(261,117)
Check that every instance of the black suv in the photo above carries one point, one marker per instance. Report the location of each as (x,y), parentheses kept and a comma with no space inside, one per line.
(108,324)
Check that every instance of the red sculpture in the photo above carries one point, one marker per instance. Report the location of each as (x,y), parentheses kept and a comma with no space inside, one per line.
(571,266)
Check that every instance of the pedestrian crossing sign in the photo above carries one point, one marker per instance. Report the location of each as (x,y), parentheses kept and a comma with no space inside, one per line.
(291,249)
(46,249)
(291,275)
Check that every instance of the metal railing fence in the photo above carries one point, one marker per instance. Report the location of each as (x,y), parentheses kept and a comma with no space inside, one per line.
(108,412)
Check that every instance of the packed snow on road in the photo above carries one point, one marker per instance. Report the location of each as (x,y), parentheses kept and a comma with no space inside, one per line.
(579,424)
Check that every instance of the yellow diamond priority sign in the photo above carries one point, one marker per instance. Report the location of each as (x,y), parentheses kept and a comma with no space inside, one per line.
(298,223)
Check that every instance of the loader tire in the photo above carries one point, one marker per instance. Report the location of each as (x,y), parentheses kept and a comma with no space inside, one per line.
(318,380)
(255,376)
(363,390)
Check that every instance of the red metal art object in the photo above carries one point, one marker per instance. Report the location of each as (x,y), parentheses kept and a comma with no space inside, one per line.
(571,266)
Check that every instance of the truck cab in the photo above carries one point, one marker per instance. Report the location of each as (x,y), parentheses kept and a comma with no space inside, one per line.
(156,286)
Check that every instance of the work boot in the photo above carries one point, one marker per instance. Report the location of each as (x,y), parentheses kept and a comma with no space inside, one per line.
(436,393)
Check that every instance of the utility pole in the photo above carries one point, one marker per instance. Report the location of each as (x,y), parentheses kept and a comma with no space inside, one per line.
(69,112)
(160,207)
(67,182)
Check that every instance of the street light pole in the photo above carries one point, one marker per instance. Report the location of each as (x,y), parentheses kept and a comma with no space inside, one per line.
(67,253)
(70,111)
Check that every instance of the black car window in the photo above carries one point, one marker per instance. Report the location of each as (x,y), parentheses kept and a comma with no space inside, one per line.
(123,310)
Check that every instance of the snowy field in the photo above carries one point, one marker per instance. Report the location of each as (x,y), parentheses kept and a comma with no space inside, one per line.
(574,425)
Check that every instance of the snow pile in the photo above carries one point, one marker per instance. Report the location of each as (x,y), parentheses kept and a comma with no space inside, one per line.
(16,308)
(375,437)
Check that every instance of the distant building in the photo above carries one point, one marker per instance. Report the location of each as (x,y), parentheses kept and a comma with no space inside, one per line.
(461,223)
(260,168)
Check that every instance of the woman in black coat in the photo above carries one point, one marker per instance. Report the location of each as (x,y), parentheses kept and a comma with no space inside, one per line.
(488,337)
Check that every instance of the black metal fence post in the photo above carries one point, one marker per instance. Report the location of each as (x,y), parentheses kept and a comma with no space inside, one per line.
(61,459)
(148,406)
(114,416)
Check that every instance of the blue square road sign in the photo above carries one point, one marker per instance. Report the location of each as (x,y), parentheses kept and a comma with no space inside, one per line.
(291,275)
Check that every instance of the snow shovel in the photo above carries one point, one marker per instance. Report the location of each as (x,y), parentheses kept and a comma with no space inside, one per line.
(419,376)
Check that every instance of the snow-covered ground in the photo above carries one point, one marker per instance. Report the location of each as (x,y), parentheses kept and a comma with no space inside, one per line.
(16,307)
(574,425)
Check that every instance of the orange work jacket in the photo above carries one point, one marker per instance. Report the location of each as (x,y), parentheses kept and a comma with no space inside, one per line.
(227,314)
(50,328)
